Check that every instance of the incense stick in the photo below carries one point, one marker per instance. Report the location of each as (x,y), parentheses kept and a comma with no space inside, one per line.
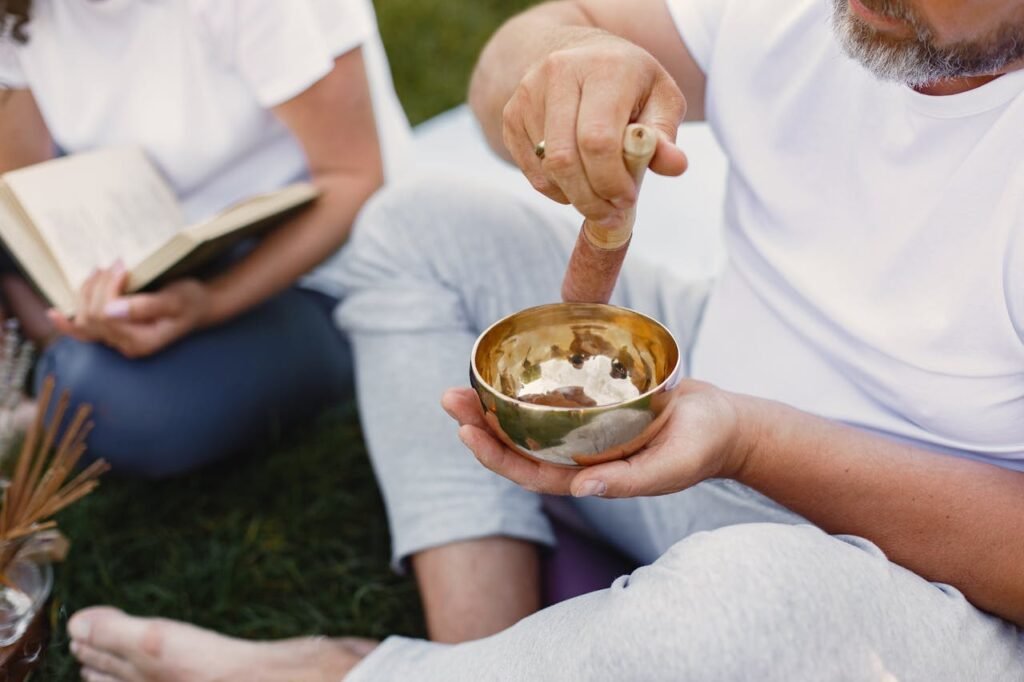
(39,488)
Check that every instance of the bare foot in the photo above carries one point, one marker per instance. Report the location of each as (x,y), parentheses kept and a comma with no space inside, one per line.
(115,647)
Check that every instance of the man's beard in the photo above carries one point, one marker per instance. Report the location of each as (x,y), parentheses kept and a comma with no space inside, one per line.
(918,60)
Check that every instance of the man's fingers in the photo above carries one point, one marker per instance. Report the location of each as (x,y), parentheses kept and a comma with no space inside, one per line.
(527,473)
(664,111)
(463,405)
(621,478)
(563,161)
(669,159)
(523,130)
(603,116)
(666,465)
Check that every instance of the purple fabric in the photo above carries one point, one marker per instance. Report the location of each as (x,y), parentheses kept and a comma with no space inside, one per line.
(579,564)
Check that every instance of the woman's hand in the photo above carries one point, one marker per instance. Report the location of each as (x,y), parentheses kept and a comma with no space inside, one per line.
(579,100)
(707,435)
(90,322)
(140,324)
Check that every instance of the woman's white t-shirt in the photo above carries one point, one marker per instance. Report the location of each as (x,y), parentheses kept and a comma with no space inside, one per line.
(192,82)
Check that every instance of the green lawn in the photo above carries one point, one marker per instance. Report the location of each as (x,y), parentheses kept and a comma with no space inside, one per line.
(291,540)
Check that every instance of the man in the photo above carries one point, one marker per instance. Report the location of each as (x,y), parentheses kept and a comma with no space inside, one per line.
(838,496)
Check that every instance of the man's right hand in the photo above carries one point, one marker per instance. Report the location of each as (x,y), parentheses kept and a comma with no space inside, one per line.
(579,100)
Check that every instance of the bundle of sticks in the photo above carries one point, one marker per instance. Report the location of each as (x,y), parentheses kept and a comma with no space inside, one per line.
(44,482)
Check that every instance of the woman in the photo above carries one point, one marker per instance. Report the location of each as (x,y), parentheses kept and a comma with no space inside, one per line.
(229,98)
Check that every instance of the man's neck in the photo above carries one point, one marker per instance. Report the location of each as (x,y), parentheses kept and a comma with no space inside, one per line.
(954,86)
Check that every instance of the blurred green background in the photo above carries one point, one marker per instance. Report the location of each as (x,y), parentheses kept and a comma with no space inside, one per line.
(291,539)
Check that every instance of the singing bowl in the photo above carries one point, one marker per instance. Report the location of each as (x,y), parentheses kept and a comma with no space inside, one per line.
(605,374)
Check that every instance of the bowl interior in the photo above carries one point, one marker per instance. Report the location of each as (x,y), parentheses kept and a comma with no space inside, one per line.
(575,355)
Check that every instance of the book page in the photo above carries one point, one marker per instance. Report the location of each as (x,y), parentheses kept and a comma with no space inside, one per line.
(96,207)
(254,210)
(35,259)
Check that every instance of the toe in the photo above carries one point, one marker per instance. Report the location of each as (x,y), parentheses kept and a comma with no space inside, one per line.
(101,661)
(82,625)
(117,633)
(90,675)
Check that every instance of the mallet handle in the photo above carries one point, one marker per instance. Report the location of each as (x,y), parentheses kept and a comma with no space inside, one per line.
(597,259)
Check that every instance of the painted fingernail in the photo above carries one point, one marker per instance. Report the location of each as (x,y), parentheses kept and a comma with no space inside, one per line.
(116,309)
(592,488)
(118,266)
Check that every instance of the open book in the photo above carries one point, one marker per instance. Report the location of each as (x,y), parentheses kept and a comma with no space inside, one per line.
(62,219)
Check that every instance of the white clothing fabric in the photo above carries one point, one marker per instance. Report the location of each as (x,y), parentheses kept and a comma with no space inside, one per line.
(875,235)
(192,82)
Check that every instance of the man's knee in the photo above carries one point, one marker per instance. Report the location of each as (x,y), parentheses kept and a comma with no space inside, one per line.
(762,561)
(405,223)
(776,578)
(745,598)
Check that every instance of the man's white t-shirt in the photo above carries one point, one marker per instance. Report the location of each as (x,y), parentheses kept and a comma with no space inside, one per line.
(875,235)
(193,81)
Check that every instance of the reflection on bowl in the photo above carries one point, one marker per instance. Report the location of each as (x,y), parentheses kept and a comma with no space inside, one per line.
(575,384)
(28,589)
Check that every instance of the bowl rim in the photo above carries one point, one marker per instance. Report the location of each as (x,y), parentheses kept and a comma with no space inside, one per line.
(669,377)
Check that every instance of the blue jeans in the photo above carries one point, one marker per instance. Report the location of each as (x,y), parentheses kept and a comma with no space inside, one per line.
(212,394)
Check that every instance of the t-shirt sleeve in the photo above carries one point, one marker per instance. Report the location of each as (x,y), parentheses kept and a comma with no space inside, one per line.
(698,22)
(282,48)
(11,75)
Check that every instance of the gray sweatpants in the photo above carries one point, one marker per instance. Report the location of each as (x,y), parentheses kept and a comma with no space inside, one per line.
(738,587)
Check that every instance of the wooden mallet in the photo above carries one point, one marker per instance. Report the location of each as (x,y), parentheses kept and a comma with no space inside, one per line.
(597,258)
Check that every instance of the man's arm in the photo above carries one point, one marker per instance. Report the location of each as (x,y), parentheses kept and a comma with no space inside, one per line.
(574,74)
(948,519)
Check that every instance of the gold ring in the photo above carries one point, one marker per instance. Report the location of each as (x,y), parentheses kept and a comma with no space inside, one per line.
(539,150)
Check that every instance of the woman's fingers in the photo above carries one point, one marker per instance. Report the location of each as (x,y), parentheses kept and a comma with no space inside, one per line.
(98,295)
(66,327)
(101,287)
(117,282)
(144,307)
(85,294)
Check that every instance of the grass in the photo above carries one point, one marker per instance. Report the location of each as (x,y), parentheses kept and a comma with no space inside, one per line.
(291,540)
(432,45)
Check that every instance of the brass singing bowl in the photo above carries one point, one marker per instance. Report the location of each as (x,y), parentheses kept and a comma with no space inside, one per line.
(575,384)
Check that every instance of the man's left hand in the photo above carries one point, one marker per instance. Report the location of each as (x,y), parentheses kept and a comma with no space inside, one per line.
(707,435)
